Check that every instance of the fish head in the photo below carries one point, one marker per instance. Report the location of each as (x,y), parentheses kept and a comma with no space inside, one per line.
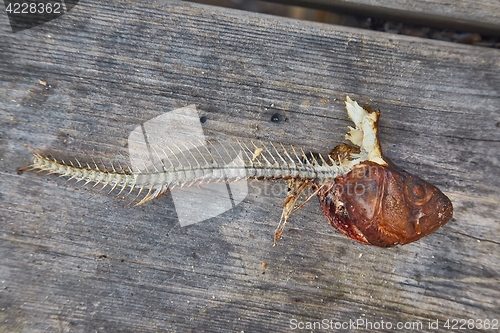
(384,205)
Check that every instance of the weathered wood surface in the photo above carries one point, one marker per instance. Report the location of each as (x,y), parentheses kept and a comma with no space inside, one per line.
(69,264)
(482,16)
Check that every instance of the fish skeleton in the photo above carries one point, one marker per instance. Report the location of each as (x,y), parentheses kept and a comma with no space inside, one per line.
(361,192)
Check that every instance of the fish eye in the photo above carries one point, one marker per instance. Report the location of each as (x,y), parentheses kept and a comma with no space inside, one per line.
(418,191)
(415,191)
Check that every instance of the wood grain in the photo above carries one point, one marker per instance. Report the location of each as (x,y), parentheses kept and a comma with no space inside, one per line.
(463,15)
(69,264)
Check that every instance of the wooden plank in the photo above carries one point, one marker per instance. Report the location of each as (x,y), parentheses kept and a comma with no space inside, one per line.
(463,15)
(72,264)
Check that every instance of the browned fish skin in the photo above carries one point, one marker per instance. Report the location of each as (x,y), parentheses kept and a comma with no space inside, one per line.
(384,205)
